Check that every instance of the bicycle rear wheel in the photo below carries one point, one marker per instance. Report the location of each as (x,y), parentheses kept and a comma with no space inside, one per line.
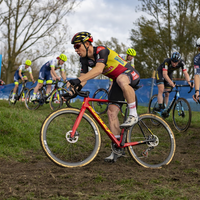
(156,146)
(32,105)
(56,101)
(100,107)
(63,150)
(182,115)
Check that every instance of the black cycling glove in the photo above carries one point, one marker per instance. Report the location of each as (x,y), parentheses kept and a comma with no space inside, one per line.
(75,81)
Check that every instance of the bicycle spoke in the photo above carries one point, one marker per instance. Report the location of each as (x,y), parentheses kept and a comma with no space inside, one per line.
(157,144)
(66,151)
(181,115)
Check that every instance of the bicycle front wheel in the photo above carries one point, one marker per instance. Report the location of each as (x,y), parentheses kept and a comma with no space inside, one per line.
(60,147)
(100,107)
(155,146)
(56,101)
(32,105)
(182,115)
(153,103)
(10,97)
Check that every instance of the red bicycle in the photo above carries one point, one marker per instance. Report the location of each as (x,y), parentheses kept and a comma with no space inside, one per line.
(71,138)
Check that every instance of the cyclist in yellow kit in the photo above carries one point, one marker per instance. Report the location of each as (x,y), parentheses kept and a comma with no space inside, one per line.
(103,60)
(129,56)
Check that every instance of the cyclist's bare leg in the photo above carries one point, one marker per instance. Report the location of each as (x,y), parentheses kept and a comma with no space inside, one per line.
(48,89)
(15,88)
(167,96)
(113,111)
(161,89)
(38,86)
(128,92)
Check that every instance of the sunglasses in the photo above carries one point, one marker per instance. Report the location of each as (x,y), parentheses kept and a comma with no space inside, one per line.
(77,46)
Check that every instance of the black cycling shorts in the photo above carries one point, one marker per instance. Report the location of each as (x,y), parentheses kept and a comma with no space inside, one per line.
(116,93)
(160,79)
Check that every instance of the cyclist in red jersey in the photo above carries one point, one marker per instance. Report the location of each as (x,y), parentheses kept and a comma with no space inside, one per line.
(103,60)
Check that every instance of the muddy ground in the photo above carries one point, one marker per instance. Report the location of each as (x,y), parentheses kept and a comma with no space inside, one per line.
(39,178)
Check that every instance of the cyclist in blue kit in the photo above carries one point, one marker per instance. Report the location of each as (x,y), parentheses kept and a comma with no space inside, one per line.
(47,72)
(19,74)
(197,72)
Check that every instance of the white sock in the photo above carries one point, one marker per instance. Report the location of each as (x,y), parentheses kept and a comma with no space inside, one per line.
(132,109)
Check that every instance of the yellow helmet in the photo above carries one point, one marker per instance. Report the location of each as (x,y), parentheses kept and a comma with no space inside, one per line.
(28,62)
(131,52)
(82,37)
(63,57)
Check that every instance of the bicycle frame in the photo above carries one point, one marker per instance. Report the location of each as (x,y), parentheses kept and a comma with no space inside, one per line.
(87,106)
(176,96)
(43,90)
(22,90)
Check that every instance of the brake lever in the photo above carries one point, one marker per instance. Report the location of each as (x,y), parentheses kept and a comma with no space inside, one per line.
(198,101)
(191,88)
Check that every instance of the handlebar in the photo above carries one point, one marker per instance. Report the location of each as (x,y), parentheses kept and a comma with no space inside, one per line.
(191,88)
(81,93)
(75,92)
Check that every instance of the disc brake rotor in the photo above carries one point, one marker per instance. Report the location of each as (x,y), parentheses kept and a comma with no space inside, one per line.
(72,140)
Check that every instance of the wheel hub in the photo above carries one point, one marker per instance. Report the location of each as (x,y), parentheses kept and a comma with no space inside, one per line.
(155,141)
(70,139)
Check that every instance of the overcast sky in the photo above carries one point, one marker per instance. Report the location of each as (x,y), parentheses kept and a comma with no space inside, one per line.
(105,19)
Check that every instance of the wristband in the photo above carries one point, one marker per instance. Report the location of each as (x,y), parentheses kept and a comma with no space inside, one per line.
(196,91)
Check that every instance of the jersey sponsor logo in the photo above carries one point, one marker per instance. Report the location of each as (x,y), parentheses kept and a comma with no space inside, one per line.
(119,60)
(99,49)
(107,70)
(196,66)
(134,75)
(101,60)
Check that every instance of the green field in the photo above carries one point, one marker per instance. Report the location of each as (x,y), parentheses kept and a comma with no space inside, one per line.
(26,172)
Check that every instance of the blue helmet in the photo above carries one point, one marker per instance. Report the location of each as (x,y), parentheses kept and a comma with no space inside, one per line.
(176,56)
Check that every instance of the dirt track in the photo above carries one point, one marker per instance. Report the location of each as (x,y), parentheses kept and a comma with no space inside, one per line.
(42,179)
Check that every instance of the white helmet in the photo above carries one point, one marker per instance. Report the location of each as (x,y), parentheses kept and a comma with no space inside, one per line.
(198,43)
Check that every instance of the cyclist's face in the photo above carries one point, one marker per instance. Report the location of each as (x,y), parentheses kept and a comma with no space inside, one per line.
(61,62)
(129,57)
(80,49)
(174,64)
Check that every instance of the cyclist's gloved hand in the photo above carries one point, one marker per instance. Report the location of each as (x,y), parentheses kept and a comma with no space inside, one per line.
(66,95)
(75,81)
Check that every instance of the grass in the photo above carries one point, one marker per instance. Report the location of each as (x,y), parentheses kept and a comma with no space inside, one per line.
(20,128)
(19,140)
